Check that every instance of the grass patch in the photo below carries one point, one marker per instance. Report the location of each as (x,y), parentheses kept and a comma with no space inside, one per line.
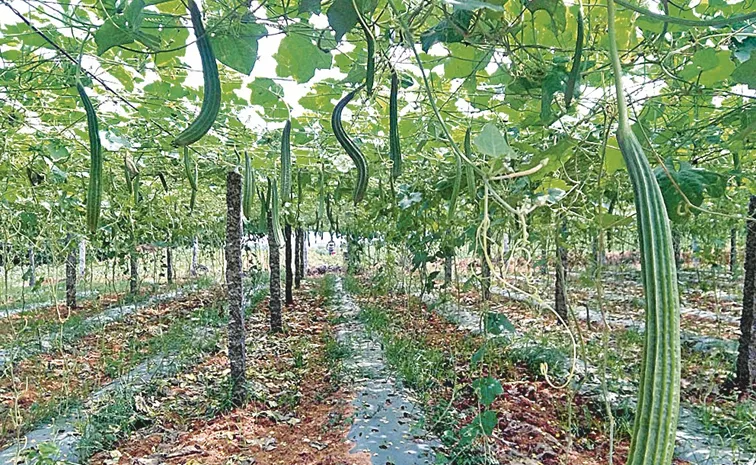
(734,422)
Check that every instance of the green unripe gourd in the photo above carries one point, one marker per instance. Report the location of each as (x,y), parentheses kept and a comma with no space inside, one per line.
(94,190)
(350,148)
(658,407)
(469,171)
(212,96)
(286,162)
(395,150)
(190,168)
(248,191)
(275,214)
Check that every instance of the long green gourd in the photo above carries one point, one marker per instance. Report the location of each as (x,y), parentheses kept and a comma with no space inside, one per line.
(264,197)
(456,186)
(320,214)
(470,172)
(370,41)
(212,97)
(131,172)
(94,190)
(572,81)
(161,176)
(135,184)
(275,213)
(346,142)
(190,167)
(658,407)
(286,162)
(395,150)
(248,193)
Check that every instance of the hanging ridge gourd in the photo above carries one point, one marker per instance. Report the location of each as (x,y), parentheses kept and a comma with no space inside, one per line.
(655,427)
(94,191)
(275,209)
(370,40)
(130,171)
(286,162)
(212,88)
(395,150)
(320,214)
(457,184)
(346,142)
(572,81)
(248,192)
(469,171)
(161,176)
(190,167)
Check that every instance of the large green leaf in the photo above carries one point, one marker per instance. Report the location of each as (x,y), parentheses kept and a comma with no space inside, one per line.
(482,425)
(237,47)
(677,184)
(447,31)
(124,29)
(298,57)
(488,389)
(491,142)
(342,16)
(555,9)
(497,323)
(309,6)
(745,73)
(709,67)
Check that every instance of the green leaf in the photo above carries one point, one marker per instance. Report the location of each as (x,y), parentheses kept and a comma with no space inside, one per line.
(709,67)
(298,57)
(686,182)
(111,34)
(491,142)
(497,323)
(265,91)
(745,73)
(122,29)
(237,48)
(342,17)
(309,6)
(555,9)
(464,61)
(478,355)
(483,424)
(487,421)
(613,159)
(552,158)
(488,389)
(608,221)
(447,31)
(553,82)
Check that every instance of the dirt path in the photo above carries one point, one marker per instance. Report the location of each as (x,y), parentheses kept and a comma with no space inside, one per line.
(385,419)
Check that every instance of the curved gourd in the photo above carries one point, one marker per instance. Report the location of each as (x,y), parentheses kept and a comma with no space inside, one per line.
(212,97)
(351,149)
